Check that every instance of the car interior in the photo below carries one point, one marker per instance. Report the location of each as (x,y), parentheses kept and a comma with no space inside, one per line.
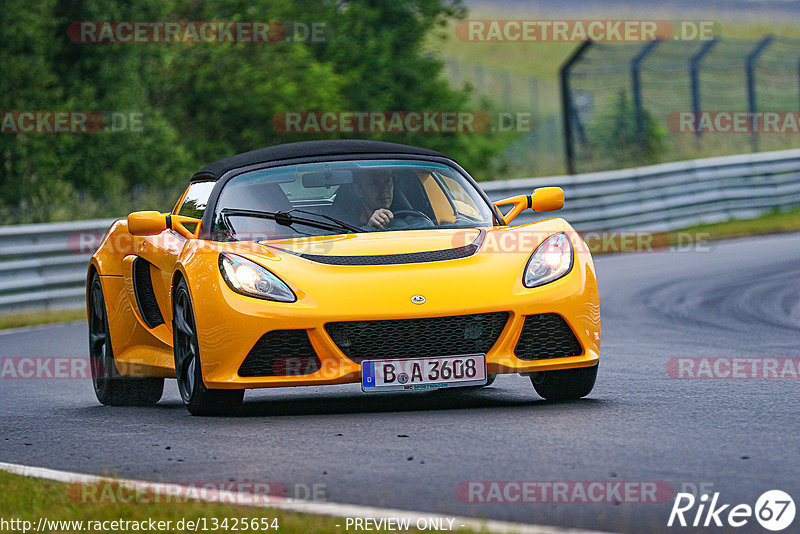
(334,196)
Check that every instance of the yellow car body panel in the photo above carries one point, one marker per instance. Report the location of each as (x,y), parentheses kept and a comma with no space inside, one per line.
(229,324)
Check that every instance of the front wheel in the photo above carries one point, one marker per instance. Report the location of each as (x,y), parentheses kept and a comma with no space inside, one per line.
(567,384)
(110,387)
(197,398)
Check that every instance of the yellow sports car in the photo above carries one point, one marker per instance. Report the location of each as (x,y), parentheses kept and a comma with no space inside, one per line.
(329,262)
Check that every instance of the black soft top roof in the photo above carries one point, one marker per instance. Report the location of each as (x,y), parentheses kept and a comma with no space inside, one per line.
(306,149)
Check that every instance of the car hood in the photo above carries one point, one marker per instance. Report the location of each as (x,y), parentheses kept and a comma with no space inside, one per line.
(382,278)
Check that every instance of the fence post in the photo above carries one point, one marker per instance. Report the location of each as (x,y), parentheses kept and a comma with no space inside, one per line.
(636,82)
(566,103)
(750,64)
(694,67)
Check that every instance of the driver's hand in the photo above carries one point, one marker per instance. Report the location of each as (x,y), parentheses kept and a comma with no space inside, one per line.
(380,218)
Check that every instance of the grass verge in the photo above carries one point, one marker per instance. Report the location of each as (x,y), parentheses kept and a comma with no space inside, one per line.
(19,320)
(30,499)
(771,223)
(695,236)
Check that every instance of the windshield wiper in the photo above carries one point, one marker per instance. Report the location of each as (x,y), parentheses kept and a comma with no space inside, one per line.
(337,222)
(285,218)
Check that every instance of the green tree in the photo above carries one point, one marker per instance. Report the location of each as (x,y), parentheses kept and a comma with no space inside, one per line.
(203,101)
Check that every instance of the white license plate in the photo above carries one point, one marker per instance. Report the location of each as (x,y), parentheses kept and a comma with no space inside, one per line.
(423,373)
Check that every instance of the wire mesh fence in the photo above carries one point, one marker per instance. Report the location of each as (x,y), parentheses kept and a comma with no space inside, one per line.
(539,148)
(513,91)
(638,103)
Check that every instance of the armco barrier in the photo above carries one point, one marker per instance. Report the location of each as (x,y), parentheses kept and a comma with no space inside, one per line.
(42,265)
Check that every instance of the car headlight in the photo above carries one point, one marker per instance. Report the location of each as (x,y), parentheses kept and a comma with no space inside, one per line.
(249,278)
(551,260)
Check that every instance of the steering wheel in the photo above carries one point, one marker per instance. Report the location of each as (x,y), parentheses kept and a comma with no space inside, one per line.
(402,214)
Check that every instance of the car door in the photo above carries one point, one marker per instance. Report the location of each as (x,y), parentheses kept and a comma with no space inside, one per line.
(152,267)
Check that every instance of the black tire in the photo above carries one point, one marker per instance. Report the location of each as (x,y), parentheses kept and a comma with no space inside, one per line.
(197,398)
(568,384)
(110,387)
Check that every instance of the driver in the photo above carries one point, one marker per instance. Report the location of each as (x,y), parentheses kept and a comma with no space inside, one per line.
(376,191)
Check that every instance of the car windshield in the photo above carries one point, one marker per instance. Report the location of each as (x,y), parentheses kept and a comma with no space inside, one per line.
(339,197)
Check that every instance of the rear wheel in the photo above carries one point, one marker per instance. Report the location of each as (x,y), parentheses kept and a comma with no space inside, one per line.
(567,384)
(112,388)
(197,398)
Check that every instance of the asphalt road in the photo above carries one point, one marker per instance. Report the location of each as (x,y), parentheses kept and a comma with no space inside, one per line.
(739,299)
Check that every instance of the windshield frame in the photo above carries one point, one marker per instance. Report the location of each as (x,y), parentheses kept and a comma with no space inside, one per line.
(211,207)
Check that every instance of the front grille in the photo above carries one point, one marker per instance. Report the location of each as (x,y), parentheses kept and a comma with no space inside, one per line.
(413,338)
(281,353)
(546,336)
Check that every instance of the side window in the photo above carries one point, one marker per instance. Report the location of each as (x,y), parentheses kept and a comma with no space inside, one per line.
(463,201)
(196,199)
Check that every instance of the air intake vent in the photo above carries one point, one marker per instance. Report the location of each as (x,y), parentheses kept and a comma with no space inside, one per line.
(546,336)
(145,296)
(281,353)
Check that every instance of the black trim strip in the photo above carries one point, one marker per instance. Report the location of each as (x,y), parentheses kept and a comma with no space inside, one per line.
(457,253)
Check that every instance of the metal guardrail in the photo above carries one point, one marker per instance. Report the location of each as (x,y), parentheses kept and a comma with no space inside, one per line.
(43,266)
(670,196)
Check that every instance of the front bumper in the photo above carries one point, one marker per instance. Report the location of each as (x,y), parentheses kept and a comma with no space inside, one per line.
(230,325)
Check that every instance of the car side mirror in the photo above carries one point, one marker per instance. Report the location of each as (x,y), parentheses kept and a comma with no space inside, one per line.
(144,223)
(543,199)
(547,199)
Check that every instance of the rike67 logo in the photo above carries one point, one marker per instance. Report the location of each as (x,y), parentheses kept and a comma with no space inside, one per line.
(774,510)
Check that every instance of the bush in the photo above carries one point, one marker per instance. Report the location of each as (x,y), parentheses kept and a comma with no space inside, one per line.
(617,135)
